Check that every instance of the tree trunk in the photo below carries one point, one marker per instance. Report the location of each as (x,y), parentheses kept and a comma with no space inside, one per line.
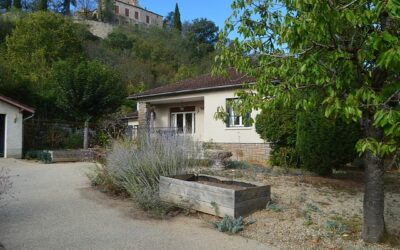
(86,135)
(374,197)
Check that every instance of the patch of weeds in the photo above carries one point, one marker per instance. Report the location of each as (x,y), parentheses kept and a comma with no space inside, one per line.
(238,165)
(231,225)
(335,228)
(274,207)
(313,208)
(352,224)
(215,207)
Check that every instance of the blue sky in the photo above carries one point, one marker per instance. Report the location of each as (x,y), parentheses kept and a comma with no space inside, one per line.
(214,10)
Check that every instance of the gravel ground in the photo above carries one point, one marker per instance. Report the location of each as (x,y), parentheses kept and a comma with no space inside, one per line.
(53,207)
(323,215)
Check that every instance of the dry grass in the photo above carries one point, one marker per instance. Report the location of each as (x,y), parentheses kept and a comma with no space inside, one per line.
(315,212)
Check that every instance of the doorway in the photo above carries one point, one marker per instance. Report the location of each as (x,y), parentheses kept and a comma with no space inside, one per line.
(2,134)
(184,122)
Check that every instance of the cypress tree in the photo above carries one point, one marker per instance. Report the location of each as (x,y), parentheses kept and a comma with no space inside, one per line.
(177,18)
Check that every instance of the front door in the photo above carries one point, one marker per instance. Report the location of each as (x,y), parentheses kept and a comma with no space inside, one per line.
(2,134)
(183,122)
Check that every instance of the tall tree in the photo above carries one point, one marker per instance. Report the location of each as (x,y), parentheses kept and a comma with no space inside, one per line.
(177,18)
(17,4)
(345,51)
(37,41)
(87,89)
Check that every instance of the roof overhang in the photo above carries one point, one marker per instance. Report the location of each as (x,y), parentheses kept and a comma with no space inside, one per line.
(14,103)
(186,91)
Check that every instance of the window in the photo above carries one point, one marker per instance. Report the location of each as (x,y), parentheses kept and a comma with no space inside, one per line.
(183,120)
(136,15)
(116,9)
(233,119)
(126,12)
(147,19)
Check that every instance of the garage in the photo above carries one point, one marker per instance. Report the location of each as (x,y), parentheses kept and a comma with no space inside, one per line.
(12,116)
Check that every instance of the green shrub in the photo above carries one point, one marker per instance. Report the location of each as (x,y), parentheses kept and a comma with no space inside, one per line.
(278,127)
(73,141)
(323,144)
(284,157)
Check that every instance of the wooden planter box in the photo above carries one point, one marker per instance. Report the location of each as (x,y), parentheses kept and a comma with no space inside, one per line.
(212,195)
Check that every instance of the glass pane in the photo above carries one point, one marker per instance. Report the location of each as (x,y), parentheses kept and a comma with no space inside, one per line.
(179,122)
(189,123)
(173,121)
(237,120)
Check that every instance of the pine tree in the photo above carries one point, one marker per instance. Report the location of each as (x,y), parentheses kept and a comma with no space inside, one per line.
(177,19)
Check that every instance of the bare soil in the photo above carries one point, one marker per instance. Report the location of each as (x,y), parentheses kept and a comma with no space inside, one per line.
(310,212)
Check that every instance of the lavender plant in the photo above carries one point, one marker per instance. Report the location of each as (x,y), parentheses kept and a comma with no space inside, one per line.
(138,166)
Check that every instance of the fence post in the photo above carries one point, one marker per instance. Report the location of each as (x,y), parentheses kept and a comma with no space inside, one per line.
(86,134)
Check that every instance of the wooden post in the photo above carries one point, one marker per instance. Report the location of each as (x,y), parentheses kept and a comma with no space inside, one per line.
(86,134)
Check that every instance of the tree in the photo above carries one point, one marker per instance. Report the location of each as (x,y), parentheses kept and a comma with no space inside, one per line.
(345,51)
(66,10)
(202,34)
(17,4)
(203,31)
(43,5)
(5,4)
(86,89)
(177,19)
(168,22)
(39,40)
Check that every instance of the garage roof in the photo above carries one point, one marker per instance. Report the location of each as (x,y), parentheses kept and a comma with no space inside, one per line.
(14,103)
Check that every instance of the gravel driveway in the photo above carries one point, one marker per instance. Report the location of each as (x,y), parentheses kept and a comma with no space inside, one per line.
(53,207)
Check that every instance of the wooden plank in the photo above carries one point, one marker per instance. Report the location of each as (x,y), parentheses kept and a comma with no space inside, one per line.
(201,206)
(252,193)
(198,185)
(198,194)
(249,206)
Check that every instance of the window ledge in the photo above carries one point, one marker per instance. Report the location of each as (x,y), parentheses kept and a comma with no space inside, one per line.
(239,128)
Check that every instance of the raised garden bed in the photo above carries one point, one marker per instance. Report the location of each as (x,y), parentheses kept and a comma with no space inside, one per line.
(216,196)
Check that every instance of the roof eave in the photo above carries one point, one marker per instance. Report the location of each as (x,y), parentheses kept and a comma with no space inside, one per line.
(16,104)
(138,97)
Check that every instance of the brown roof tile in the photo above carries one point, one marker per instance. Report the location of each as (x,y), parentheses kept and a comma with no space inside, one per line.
(199,83)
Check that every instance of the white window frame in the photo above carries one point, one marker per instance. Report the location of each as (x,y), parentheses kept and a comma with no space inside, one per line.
(232,116)
(175,125)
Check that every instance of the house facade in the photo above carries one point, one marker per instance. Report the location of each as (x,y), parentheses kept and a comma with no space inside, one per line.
(130,11)
(12,116)
(189,107)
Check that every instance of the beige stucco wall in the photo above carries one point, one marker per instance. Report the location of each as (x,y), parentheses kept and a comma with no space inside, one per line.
(207,128)
(155,20)
(216,130)
(162,118)
(13,131)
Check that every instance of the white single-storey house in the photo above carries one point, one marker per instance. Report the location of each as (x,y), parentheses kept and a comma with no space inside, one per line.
(12,116)
(189,107)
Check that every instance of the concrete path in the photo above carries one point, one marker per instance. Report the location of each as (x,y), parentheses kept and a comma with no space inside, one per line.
(53,207)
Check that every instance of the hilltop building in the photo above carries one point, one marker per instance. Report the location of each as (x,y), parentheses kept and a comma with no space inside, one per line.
(130,11)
